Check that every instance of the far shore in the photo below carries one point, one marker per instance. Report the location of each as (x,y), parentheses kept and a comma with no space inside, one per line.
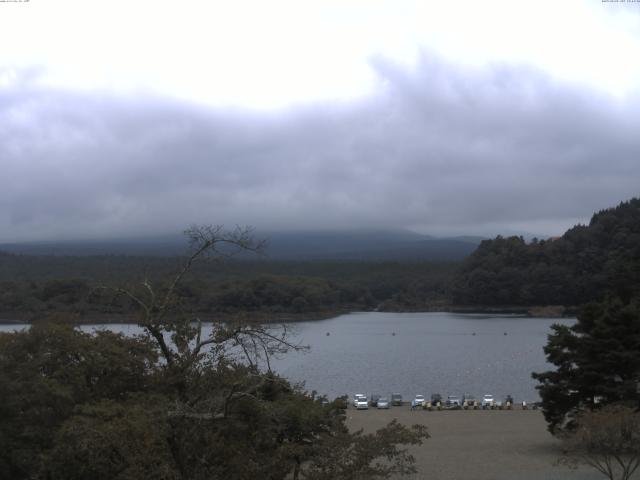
(551,311)
(253,317)
(535,311)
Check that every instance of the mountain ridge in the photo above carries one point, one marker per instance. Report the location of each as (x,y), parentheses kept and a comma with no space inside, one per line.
(287,245)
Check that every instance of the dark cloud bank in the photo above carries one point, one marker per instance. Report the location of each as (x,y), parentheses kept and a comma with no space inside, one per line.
(443,148)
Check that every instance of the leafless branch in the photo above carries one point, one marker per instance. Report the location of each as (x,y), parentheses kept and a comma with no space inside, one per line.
(204,241)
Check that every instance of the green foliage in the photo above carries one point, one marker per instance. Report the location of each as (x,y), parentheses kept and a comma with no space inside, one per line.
(113,440)
(376,455)
(46,371)
(597,362)
(585,264)
(31,287)
(102,406)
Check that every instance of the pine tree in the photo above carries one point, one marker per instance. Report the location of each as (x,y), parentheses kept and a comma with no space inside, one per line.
(597,360)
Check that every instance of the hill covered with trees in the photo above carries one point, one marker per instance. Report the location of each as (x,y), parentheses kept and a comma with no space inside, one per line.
(587,263)
(32,286)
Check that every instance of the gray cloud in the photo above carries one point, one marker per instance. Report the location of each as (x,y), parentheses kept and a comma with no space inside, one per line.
(440,147)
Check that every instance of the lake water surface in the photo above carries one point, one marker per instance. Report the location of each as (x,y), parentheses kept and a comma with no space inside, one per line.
(414,353)
(430,352)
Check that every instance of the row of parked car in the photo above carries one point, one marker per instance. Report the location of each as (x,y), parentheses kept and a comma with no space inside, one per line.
(467,401)
(361,401)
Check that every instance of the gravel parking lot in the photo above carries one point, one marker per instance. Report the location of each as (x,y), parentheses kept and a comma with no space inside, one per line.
(478,444)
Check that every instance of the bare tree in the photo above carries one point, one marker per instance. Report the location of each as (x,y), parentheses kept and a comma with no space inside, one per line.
(186,345)
(607,440)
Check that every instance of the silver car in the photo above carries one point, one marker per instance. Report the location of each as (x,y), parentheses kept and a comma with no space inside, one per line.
(383,402)
(453,402)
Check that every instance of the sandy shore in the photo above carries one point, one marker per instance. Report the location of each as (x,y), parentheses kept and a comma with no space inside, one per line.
(478,444)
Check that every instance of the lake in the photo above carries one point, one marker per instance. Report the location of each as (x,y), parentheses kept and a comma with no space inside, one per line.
(445,353)
(412,353)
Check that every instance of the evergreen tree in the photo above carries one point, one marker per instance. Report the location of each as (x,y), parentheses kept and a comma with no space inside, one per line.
(585,264)
(597,362)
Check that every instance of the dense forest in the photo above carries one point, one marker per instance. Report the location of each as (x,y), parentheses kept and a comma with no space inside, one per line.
(32,286)
(586,264)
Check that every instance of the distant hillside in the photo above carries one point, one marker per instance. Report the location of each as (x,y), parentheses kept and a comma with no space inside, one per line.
(585,264)
(367,245)
(327,245)
(33,286)
(162,246)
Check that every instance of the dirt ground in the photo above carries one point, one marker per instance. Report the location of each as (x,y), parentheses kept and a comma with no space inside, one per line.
(478,444)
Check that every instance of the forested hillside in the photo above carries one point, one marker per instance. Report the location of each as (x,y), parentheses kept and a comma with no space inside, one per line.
(33,286)
(585,264)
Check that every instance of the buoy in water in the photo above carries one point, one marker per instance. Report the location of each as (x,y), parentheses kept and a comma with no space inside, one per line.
(474,333)
(393,333)
(328,334)
(505,333)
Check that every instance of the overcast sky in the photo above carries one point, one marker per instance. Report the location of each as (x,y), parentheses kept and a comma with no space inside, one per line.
(127,118)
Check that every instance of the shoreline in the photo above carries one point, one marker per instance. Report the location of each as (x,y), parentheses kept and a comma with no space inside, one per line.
(552,311)
(532,311)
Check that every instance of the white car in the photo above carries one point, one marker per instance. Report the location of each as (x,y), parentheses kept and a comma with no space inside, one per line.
(488,401)
(360,401)
(383,402)
(418,401)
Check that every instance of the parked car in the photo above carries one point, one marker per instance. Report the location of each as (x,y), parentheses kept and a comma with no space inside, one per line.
(453,402)
(488,401)
(374,400)
(418,401)
(360,401)
(383,402)
(396,399)
(469,401)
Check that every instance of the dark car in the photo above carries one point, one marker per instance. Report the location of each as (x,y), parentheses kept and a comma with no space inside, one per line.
(374,400)
(396,399)
(435,403)
(508,402)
